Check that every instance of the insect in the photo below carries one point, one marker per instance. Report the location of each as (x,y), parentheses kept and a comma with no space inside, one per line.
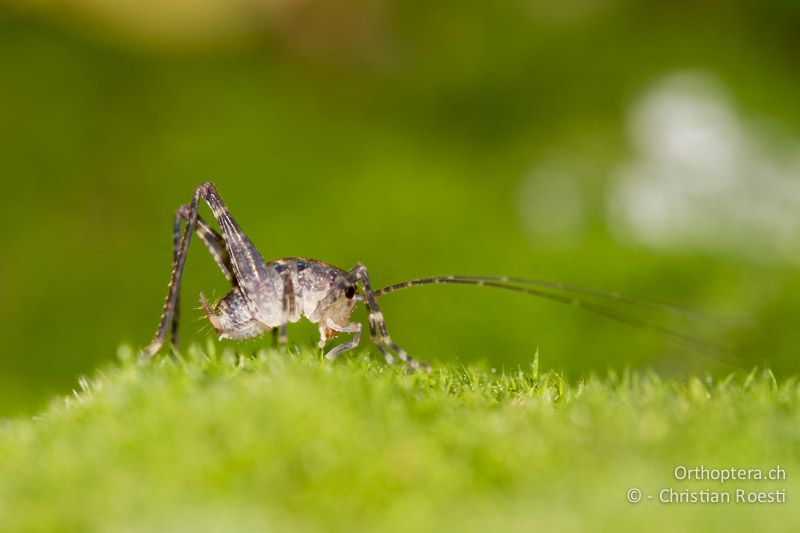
(268,295)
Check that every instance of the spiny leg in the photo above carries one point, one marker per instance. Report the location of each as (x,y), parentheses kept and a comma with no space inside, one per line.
(210,237)
(179,262)
(247,266)
(215,245)
(176,244)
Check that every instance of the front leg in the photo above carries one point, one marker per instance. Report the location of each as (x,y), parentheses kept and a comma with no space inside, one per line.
(349,328)
(377,326)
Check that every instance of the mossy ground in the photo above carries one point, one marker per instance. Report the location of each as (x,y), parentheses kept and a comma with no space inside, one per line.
(216,440)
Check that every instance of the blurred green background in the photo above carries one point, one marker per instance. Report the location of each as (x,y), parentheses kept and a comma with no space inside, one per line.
(649,147)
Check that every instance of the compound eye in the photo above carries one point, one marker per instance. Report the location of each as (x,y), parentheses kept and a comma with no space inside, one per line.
(349,292)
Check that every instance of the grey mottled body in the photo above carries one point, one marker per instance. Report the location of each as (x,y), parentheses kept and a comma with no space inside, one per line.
(266,296)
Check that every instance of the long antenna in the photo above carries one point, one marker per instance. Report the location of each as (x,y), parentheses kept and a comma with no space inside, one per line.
(647,303)
(507,283)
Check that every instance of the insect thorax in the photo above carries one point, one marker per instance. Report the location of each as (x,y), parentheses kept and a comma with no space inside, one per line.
(292,288)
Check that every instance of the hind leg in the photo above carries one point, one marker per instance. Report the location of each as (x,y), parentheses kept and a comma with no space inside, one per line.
(241,263)
(215,245)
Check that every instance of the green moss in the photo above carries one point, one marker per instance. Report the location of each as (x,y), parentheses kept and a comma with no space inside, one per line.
(221,441)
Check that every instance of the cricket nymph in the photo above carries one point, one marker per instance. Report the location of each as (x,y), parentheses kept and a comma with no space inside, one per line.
(266,296)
